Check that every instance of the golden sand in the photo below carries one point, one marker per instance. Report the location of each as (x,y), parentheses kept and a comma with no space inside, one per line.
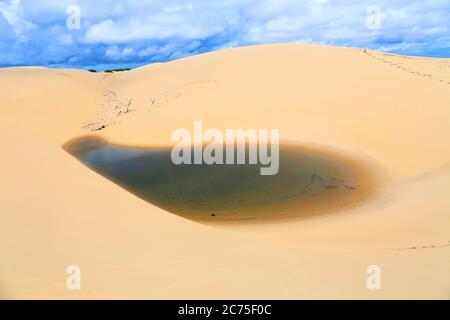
(391,112)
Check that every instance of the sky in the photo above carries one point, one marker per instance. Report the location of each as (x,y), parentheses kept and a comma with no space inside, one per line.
(102,34)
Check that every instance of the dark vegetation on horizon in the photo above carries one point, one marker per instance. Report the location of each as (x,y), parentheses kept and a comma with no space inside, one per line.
(112,70)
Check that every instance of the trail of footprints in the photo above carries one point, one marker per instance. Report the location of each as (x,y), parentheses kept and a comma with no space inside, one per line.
(115,105)
(112,107)
(443,74)
(333,183)
(444,245)
(444,71)
(165,98)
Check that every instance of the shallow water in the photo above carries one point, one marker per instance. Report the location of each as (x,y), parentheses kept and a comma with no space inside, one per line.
(307,183)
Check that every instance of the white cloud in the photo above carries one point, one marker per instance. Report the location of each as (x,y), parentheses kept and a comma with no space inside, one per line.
(115,53)
(158,30)
(127,51)
(252,21)
(170,22)
(14,15)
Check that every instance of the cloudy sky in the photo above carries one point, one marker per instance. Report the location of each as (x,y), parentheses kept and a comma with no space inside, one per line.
(104,33)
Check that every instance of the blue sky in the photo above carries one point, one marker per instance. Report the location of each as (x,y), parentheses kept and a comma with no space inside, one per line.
(105,34)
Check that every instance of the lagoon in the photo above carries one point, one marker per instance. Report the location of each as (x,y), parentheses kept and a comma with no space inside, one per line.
(309,182)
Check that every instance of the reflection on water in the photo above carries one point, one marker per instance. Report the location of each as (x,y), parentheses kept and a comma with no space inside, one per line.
(307,183)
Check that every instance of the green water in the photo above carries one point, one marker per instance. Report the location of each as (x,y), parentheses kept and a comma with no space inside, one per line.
(220,192)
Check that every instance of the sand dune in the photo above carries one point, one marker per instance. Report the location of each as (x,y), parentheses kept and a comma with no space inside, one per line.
(391,112)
